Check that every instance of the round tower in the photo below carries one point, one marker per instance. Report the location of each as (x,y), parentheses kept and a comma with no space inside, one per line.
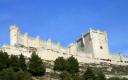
(14,35)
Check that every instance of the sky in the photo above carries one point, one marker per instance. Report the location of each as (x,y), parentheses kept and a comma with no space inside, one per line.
(64,20)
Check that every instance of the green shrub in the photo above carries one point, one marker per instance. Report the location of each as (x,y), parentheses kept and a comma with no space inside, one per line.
(89,74)
(60,64)
(14,63)
(76,76)
(65,76)
(3,60)
(72,65)
(23,65)
(100,75)
(10,74)
(36,66)
(23,75)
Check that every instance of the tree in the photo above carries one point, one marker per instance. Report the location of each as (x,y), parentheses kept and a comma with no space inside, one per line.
(72,65)
(7,74)
(23,75)
(76,76)
(65,76)
(10,74)
(23,65)
(100,76)
(14,63)
(36,66)
(89,74)
(59,64)
(3,60)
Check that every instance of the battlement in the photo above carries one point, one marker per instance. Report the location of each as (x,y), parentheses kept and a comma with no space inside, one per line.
(91,47)
(18,38)
(13,27)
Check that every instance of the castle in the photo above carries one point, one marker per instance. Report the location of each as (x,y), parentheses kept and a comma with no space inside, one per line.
(90,47)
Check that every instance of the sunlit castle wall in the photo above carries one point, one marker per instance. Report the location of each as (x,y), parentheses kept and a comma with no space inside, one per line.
(91,47)
(94,43)
(18,38)
(100,44)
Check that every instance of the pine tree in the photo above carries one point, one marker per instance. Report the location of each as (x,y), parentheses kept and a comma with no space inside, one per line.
(89,74)
(10,74)
(14,63)
(65,76)
(36,66)
(3,60)
(23,65)
(59,64)
(7,74)
(100,76)
(72,65)
(23,75)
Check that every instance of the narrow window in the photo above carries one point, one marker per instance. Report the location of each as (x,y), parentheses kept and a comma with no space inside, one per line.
(101,47)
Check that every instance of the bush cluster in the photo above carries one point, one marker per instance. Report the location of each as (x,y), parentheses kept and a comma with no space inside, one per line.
(69,69)
(89,74)
(16,68)
(10,74)
(70,65)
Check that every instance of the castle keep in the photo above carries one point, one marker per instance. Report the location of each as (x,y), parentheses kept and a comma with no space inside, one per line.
(90,47)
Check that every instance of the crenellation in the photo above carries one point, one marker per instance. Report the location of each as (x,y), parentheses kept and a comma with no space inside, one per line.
(90,47)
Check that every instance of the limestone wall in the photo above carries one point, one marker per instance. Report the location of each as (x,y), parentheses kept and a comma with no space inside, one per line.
(91,47)
(100,44)
(18,38)
(94,42)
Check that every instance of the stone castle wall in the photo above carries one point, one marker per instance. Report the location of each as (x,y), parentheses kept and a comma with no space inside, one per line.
(17,38)
(91,47)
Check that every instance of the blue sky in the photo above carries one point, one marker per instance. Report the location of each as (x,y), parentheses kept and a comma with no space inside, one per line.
(64,20)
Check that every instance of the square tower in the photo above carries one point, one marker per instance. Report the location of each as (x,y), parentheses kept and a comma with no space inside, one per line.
(94,42)
(100,44)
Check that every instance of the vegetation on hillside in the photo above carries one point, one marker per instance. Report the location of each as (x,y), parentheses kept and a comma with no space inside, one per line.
(36,66)
(16,68)
(70,65)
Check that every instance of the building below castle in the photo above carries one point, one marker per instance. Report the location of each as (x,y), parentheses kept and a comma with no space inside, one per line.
(90,47)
